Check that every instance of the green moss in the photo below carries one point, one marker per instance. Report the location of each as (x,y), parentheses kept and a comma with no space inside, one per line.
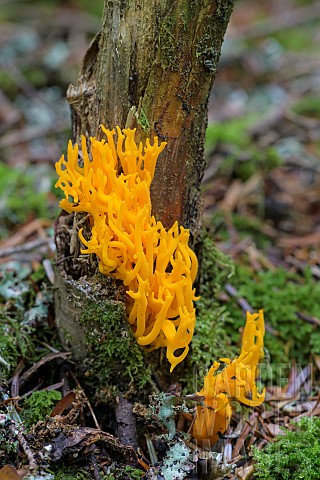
(143,121)
(15,340)
(235,132)
(36,76)
(168,46)
(174,38)
(133,473)
(8,350)
(294,455)
(308,105)
(94,8)
(282,295)
(22,309)
(126,473)
(67,472)
(113,355)
(251,226)
(38,406)
(7,85)
(23,194)
(188,12)
(298,39)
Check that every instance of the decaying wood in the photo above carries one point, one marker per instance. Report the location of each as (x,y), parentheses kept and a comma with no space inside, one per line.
(151,68)
(126,423)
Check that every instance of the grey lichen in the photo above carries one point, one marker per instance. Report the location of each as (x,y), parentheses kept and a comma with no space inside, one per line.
(177,463)
(163,408)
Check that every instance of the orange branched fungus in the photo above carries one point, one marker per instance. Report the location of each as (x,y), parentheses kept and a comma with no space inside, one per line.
(156,266)
(227,380)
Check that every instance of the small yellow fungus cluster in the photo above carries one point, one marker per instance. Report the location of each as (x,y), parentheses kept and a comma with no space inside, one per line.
(156,266)
(227,380)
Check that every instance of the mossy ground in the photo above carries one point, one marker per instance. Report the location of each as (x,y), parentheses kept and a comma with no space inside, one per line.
(285,297)
(38,406)
(127,473)
(70,472)
(269,80)
(26,299)
(294,455)
(33,198)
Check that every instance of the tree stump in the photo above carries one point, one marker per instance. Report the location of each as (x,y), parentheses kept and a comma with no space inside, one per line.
(151,67)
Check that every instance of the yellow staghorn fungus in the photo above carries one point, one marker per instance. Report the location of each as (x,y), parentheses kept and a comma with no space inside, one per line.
(156,265)
(227,380)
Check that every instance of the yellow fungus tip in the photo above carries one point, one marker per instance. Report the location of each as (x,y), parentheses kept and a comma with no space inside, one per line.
(235,381)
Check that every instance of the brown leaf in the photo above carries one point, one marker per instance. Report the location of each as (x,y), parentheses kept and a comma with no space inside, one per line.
(35,226)
(78,441)
(238,191)
(305,241)
(244,473)
(317,360)
(274,429)
(9,473)
(63,404)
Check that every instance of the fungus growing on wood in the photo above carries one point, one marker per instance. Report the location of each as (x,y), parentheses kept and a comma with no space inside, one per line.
(227,380)
(112,182)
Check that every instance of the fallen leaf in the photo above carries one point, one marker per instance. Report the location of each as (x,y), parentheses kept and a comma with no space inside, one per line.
(9,473)
(274,429)
(244,473)
(317,360)
(63,404)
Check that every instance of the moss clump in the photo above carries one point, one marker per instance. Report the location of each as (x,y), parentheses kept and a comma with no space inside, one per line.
(143,121)
(235,132)
(113,358)
(282,295)
(294,455)
(126,473)
(211,339)
(307,106)
(67,472)
(38,406)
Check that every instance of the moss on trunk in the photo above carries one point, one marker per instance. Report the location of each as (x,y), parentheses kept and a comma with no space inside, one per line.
(92,323)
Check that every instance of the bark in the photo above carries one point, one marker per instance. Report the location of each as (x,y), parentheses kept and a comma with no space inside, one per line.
(151,67)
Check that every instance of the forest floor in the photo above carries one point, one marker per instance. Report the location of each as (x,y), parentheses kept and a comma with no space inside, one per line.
(261,195)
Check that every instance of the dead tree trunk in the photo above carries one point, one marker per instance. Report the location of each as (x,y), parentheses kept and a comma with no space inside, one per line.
(151,67)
